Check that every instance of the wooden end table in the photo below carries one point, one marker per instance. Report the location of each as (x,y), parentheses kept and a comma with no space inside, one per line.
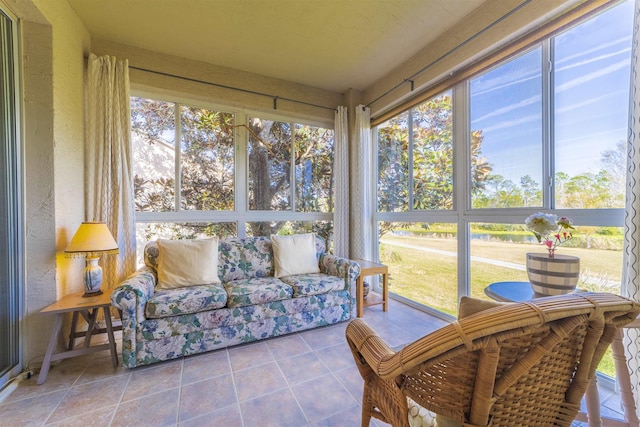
(88,308)
(521,291)
(370,268)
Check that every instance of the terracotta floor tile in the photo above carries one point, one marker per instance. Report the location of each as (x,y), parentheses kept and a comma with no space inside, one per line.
(225,417)
(152,379)
(287,346)
(206,396)
(258,381)
(304,379)
(101,417)
(249,355)
(159,409)
(304,367)
(207,365)
(323,397)
(33,411)
(278,409)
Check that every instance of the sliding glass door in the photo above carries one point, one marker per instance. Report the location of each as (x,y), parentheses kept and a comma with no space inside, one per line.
(11,270)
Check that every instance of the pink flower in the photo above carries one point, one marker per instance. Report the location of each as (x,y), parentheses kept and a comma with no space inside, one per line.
(549,230)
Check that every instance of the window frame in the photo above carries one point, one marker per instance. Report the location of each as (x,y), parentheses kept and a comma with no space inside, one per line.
(462,213)
(240,215)
(14,153)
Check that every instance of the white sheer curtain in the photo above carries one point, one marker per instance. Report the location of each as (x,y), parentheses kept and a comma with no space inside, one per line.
(108,168)
(361,190)
(341,169)
(631,264)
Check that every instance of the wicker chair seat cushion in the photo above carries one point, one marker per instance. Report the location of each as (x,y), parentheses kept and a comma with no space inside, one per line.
(189,300)
(258,290)
(314,284)
(419,416)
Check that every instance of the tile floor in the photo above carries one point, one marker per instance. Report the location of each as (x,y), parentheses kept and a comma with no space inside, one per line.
(304,379)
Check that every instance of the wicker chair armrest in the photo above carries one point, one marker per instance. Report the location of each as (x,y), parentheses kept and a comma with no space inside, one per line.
(369,350)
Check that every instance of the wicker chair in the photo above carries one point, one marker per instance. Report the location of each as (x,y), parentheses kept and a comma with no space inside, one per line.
(521,364)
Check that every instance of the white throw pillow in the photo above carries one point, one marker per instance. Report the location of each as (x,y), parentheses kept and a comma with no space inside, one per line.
(295,254)
(187,263)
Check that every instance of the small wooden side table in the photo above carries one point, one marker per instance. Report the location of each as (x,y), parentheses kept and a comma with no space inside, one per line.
(88,308)
(521,291)
(370,268)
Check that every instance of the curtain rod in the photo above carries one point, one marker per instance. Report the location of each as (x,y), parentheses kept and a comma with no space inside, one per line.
(252,92)
(410,79)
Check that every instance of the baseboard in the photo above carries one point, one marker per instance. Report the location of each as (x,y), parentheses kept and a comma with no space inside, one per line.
(10,387)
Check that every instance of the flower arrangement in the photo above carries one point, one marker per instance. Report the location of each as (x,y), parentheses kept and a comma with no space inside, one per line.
(550,230)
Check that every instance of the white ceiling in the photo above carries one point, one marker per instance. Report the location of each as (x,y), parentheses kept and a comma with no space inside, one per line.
(329,44)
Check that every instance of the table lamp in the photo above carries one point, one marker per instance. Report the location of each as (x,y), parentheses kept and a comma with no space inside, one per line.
(92,239)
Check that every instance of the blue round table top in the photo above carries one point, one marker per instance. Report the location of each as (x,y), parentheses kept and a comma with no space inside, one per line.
(511,291)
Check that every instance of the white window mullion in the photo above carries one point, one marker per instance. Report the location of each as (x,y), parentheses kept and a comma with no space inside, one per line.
(548,170)
(292,170)
(178,156)
(462,182)
(373,201)
(410,159)
(241,174)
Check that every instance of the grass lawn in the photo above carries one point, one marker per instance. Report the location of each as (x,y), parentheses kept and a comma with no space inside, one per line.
(425,270)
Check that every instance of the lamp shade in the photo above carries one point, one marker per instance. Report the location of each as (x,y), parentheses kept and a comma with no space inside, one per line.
(92,237)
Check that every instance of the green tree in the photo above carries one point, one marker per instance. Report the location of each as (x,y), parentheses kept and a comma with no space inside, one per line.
(431,151)
(531,193)
(614,164)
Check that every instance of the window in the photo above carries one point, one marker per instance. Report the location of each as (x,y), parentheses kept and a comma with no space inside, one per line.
(204,158)
(545,130)
(193,189)
(270,147)
(415,158)
(423,261)
(507,135)
(591,92)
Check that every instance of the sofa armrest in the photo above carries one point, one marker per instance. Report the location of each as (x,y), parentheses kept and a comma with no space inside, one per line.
(130,298)
(131,295)
(341,267)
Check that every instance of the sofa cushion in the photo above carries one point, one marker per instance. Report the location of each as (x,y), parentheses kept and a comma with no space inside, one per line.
(295,254)
(245,258)
(193,299)
(314,284)
(187,263)
(257,290)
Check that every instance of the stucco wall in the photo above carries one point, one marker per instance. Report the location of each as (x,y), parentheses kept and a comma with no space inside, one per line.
(54,42)
(40,286)
(71,43)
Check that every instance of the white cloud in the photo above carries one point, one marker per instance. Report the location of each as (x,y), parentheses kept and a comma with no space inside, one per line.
(595,59)
(525,102)
(597,47)
(505,80)
(592,76)
(506,124)
(577,105)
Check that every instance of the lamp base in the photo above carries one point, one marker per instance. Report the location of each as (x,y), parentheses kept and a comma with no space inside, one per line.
(92,277)
(92,294)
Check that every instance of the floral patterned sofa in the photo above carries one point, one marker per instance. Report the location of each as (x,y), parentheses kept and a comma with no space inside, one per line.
(250,304)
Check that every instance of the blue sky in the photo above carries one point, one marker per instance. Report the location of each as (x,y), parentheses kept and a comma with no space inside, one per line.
(591,100)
